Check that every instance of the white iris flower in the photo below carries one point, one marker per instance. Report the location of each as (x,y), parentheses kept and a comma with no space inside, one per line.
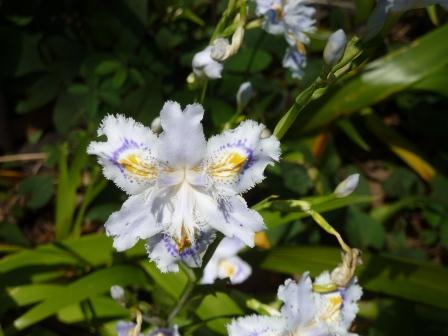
(294,19)
(225,263)
(182,188)
(305,313)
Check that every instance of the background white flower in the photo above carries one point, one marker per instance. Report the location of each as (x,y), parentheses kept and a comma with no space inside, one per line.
(305,312)
(165,332)
(204,66)
(181,187)
(225,263)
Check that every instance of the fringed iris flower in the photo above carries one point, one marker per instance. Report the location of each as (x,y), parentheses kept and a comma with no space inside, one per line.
(181,187)
(305,312)
(294,19)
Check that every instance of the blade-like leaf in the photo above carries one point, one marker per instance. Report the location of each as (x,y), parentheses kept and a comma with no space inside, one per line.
(380,79)
(84,288)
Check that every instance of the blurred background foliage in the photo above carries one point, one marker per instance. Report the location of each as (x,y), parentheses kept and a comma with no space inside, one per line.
(66,64)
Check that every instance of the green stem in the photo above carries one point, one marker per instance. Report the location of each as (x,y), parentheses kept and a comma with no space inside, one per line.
(185,295)
(257,45)
(204,91)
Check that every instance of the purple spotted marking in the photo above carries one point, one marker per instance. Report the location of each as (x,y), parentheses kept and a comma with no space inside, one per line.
(191,251)
(126,145)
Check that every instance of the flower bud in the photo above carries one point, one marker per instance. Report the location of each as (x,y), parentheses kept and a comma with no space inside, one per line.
(265,133)
(347,186)
(117,293)
(334,50)
(220,49)
(156,125)
(244,94)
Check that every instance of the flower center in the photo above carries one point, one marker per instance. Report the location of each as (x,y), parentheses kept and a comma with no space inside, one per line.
(228,268)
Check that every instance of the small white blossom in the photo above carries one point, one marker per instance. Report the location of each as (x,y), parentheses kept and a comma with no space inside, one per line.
(335,47)
(347,186)
(220,49)
(290,17)
(182,188)
(305,312)
(244,94)
(295,62)
(204,66)
(225,263)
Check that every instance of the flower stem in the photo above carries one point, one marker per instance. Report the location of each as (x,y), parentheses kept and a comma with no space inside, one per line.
(186,294)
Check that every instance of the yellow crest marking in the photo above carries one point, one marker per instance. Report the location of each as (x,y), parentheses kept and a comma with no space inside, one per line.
(228,267)
(134,165)
(229,166)
(184,242)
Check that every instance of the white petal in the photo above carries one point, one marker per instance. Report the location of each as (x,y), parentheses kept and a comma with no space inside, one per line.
(244,94)
(128,155)
(165,252)
(182,142)
(351,296)
(165,332)
(134,221)
(236,159)
(234,268)
(299,308)
(231,216)
(229,247)
(205,66)
(210,271)
(257,326)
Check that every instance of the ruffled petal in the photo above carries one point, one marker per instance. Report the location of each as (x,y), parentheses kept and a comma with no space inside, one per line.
(231,216)
(166,252)
(351,296)
(257,326)
(236,159)
(128,155)
(182,142)
(132,222)
(299,308)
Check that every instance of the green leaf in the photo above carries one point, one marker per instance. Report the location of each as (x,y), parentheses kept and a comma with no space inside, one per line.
(280,212)
(380,79)
(38,189)
(364,231)
(407,279)
(172,283)
(98,307)
(107,67)
(84,288)
(94,250)
(78,89)
(40,93)
(119,78)
(260,61)
(215,306)
(28,294)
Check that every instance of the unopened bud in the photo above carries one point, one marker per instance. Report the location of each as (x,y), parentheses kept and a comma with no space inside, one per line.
(117,293)
(244,94)
(334,50)
(347,186)
(156,125)
(265,133)
(220,49)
